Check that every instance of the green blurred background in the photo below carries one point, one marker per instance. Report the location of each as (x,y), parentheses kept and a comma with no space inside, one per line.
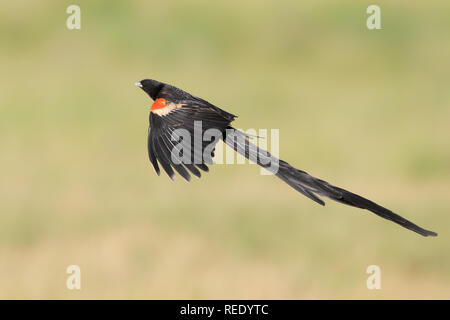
(366,110)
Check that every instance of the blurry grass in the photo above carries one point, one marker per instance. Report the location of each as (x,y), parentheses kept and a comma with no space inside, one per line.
(367,110)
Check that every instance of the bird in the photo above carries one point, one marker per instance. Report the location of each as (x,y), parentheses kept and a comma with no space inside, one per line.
(175,114)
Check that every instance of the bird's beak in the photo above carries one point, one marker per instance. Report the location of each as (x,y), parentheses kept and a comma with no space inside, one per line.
(138,84)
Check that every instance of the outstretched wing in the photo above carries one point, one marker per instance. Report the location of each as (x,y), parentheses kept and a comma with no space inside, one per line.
(182,138)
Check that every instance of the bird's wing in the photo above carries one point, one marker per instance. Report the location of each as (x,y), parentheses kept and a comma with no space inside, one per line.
(177,139)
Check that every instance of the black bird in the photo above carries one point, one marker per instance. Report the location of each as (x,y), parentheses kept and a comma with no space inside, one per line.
(175,111)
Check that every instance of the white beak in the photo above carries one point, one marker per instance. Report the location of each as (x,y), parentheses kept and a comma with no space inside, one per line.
(138,84)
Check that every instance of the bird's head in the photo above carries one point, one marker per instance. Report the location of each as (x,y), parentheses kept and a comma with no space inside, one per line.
(151,87)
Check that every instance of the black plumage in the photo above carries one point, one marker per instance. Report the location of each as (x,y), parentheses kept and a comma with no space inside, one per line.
(175,109)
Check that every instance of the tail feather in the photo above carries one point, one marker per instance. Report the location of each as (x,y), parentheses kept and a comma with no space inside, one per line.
(310,186)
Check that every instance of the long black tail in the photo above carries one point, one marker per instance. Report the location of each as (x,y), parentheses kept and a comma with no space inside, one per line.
(309,185)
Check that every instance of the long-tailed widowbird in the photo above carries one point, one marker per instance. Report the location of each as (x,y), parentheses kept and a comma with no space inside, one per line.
(174,110)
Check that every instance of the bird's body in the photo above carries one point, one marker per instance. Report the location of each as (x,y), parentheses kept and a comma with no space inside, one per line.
(175,113)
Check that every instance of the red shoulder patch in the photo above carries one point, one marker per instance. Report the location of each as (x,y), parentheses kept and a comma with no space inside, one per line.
(158,104)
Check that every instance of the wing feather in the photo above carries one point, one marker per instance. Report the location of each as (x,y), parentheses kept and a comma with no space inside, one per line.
(151,152)
(168,151)
(163,160)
